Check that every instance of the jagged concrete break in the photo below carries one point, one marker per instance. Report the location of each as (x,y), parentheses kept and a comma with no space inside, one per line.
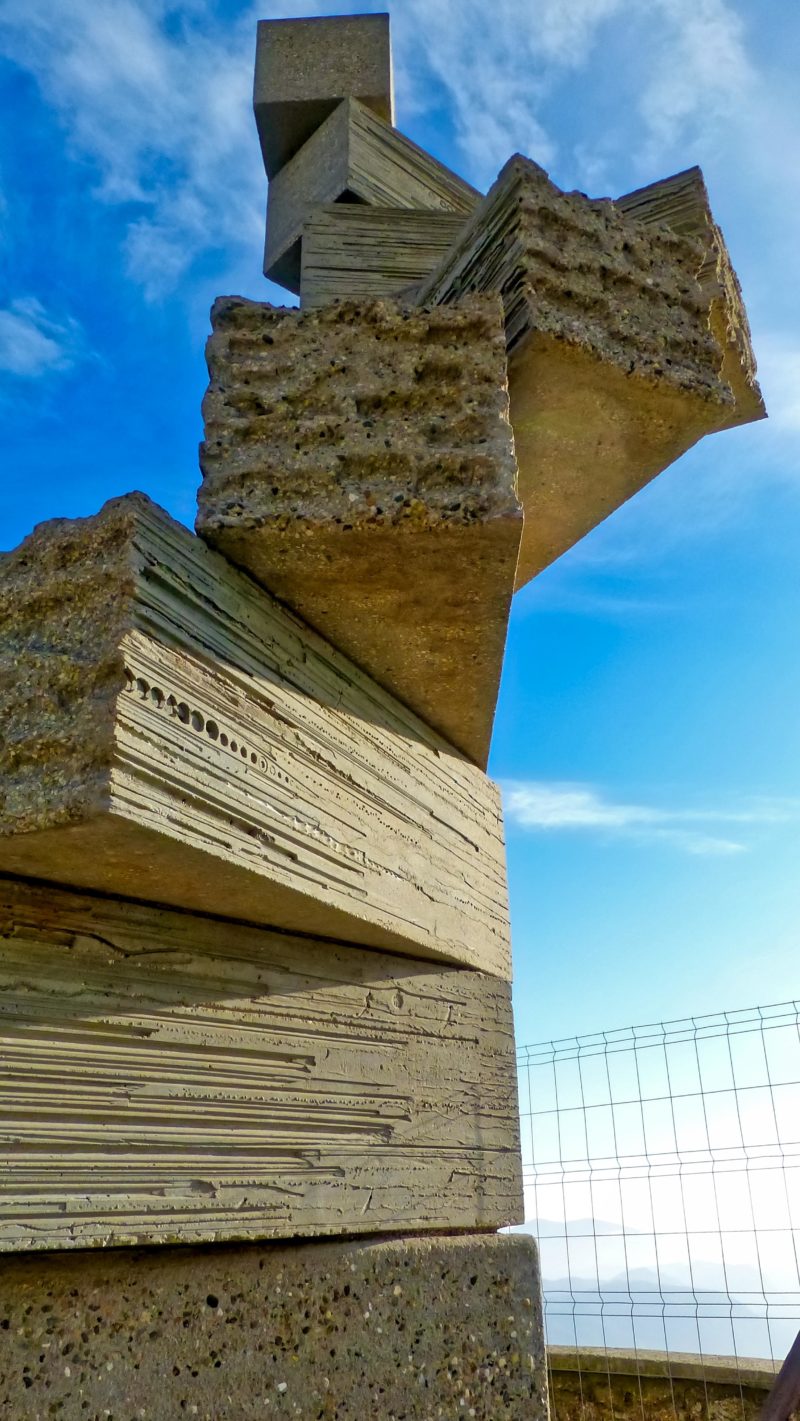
(613,368)
(681,203)
(359,462)
(364,1331)
(171,733)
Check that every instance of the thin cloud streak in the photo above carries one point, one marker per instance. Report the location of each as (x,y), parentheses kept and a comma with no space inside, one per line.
(555,807)
(33,343)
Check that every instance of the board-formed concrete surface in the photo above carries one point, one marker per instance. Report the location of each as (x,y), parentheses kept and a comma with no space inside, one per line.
(351,251)
(353,156)
(304,68)
(359,462)
(389,1330)
(173,1078)
(681,203)
(173,734)
(614,369)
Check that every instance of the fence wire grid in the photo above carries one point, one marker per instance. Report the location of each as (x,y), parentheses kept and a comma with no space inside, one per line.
(661,1166)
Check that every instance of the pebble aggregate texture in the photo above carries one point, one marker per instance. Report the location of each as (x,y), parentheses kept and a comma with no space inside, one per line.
(304,68)
(357,157)
(681,203)
(614,370)
(599,1385)
(173,734)
(359,462)
(215,1081)
(396,1330)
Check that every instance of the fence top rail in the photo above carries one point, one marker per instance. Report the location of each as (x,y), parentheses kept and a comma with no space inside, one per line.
(659,1033)
(756,1372)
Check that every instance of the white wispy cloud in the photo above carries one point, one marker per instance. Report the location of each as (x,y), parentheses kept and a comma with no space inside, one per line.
(156,96)
(34,343)
(555,806)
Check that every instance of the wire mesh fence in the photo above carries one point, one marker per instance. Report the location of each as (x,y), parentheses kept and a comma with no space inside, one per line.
(662,1179)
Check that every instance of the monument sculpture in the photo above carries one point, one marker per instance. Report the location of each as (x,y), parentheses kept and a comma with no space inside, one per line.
(259,1087)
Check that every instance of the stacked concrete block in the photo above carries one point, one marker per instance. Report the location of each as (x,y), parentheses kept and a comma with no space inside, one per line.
(615,368)
(359,463)
(172,733)
(254,957)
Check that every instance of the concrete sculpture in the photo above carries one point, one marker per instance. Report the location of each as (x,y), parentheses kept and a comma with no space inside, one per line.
(254,945)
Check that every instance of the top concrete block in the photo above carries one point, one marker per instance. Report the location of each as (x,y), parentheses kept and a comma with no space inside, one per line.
(304,68)
(615,369)
(681,203)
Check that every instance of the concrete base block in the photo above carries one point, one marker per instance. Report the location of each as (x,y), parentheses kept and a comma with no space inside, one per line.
(418,1328)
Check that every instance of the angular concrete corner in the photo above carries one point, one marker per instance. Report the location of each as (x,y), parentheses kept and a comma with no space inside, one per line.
(216,1081)
(414,1328)
(304,68)
(681,203)
(356,157)
(352,252)
(359,463)
(172,734)
(614,371)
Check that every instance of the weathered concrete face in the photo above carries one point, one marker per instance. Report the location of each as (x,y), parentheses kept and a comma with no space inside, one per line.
(354,156)
(304,68)
(173,734)
(681,204)
(214,1081)
(412,1328)
(595,1384)
(613,369)
(351,251)
(359,463)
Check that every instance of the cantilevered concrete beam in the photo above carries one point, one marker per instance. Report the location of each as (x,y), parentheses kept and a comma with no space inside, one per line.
(172,734)
(615,367)
(304,68)
(359,463)
(354,157)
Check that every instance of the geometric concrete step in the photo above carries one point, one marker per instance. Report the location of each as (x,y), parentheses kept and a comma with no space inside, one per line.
(354,251)
(615,368)
(355,157)
(172,734)
(681,203)
(172,1078)
(359,463)
(360,1331)
(304,68)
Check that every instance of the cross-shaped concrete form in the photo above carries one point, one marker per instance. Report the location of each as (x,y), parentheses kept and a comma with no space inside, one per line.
(255,966)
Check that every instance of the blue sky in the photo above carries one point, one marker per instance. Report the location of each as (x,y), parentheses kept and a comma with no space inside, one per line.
(648,734)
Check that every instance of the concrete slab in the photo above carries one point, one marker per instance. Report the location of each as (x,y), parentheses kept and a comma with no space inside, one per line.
(304,68)
(173,734)
(614,369)
(401,1328)
(211,1081)
(351,251)
(358,462)
(353,157)
(681,203)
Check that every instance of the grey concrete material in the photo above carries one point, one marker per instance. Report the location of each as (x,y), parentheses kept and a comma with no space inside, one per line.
(358,461)
(354,157)
(174,1078)
(614,369)
(175,735)
(351,251)
(592,1384)
(304,68)
(681,203)
(395,1330)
